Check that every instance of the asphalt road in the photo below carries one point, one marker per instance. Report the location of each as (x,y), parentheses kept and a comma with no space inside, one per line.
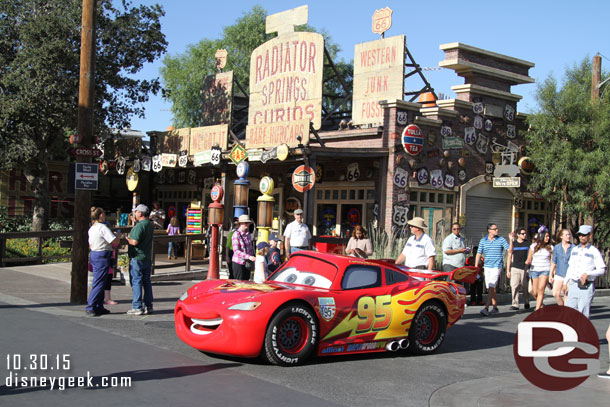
(475,365)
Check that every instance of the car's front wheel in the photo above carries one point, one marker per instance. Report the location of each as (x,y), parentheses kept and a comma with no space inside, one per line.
(291,335)
(428,327)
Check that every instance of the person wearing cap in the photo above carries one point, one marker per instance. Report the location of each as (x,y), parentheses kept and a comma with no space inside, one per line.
(419,252)
(242,248)
(492,248)
(140,241)
(260,265)
(584,265)
(274,256)
(297,236)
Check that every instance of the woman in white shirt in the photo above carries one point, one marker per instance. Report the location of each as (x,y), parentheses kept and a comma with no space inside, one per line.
(539,260)
(101,240)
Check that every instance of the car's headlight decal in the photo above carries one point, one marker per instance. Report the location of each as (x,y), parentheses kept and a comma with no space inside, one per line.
(245,306)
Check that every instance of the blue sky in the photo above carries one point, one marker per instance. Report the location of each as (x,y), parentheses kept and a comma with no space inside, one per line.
(551,34)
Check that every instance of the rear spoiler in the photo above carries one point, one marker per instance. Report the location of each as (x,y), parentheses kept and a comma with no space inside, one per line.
(467,274)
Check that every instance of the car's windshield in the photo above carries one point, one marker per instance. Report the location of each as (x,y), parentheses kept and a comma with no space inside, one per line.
(306,270)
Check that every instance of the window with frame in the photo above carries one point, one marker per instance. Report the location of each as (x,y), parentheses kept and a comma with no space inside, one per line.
(361,276)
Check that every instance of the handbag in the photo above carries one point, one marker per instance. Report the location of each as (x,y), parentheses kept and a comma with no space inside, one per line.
(249,264)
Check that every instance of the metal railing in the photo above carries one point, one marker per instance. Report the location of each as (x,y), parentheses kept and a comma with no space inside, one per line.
(42,236)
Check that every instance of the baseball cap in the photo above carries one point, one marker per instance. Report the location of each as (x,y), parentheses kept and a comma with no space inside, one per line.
(273,236)
(142,208)
(261,245)
(585,230)
(298,211)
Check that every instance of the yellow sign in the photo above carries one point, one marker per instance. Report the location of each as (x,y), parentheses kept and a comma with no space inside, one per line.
(265,135)
(282,152)
(132,179)
(286,73)
(238,154)
(378,75)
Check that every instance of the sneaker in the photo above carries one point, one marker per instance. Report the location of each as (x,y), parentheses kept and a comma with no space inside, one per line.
(604,375)
(135,311)
(148,311)
(90,313)
(512,307)
(484,312)
(103,311)
(494,310)
(527,305)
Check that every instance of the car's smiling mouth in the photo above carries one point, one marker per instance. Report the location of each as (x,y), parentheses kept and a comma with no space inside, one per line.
(203,326)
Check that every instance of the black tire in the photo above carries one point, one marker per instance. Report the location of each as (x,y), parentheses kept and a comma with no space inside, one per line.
(427,331)
(291,336)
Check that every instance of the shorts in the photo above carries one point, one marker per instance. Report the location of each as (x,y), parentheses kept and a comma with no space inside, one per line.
(536,274)
(491,276)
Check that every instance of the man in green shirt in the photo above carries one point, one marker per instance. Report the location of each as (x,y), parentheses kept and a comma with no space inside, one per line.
(140,254)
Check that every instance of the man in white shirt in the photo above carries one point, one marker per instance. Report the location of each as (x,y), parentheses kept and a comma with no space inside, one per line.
(419,252)
(584,265)
(297,235)
(157,216)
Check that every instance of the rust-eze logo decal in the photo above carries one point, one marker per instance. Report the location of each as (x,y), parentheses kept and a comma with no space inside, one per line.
(328,309)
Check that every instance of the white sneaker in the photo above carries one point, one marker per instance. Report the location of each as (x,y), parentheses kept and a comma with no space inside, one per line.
(484,312)
(135,311)
(494,310)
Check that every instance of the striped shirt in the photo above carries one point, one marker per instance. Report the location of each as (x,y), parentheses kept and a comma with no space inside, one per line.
(493,251)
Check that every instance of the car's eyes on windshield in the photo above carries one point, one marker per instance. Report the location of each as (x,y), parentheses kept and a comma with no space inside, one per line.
(293,276)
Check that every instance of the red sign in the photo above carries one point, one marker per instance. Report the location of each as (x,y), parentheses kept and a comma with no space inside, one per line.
(412,139)
(303,178)
(86,152)
(216,193)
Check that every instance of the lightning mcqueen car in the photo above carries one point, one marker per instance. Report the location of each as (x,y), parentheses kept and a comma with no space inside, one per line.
(324,304)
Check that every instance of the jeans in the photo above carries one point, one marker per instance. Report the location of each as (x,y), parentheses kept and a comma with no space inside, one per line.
(169,250)
(580,299)
(100,261)
(139,270)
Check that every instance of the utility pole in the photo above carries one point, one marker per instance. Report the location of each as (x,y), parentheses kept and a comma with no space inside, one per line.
(596,77)
(82,198)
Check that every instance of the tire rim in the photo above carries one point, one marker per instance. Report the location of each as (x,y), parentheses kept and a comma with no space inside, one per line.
(292,335)
(427,328)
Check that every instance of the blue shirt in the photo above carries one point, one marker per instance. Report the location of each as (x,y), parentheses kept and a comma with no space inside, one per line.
(493,251)
(561,258)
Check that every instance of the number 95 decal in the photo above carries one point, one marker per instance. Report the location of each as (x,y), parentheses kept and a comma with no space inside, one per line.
(374,314)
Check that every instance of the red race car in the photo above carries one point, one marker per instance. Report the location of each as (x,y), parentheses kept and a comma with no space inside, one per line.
(324,304)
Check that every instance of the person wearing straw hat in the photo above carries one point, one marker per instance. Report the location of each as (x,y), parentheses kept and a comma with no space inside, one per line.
(242,248)
(585,264)
(419,252)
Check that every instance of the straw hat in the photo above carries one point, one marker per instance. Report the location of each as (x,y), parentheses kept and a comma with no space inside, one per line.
(417,222)
(244,219)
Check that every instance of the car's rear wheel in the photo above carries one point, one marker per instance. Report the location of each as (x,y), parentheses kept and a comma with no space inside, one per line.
(291,335)
(427,331)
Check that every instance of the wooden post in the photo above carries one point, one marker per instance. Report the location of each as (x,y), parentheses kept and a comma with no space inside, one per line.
(82,198)
(596,77)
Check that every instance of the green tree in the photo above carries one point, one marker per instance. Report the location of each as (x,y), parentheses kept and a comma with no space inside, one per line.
(39,79)
(184,73)
(569,142)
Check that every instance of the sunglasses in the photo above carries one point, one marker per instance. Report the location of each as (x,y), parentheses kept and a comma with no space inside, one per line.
(493,229)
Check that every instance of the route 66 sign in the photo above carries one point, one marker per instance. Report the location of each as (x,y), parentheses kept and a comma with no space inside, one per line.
(401,178)
(470,136)
(519,202)
(462,175)
(382,20)
(399,217)
(478,122)
(423,176)
(511,131)
(446,128)
(145,163)
(509,113)
(402,117)
(183,159)
(215,155)
(136,165)
(156,163)
(353,172)
(436,178)
(477,107)
(449,181)
(120,165)
(482,143)
(488,125)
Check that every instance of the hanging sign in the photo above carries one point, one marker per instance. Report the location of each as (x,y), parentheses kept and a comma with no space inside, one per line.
(303,178)
(136,165)
(169,160)
(183,159)
(282,152)
(412,139)
(238,154)
(215,155)
(201,158)
(436,178)
(269,155)
(132,179)
(353,172)
(120,165)
(146,163)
